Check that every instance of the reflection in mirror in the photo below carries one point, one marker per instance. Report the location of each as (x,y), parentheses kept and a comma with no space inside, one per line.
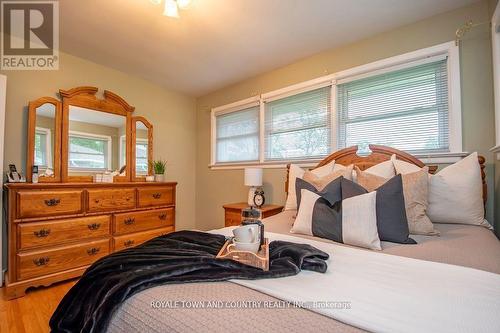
(45,124)
(95,144)
(141,149)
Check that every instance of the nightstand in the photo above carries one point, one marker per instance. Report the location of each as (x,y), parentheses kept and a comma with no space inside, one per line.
(233,212)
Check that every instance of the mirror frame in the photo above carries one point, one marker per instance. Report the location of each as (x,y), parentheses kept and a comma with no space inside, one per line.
(85,97)
(149,127)
(32,106)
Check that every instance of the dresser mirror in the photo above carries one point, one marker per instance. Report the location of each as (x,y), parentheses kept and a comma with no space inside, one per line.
(142,155)
(97,142)
(87,136)
(96,135)
(44,136)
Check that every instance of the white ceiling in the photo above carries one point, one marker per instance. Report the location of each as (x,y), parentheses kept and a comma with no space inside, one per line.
(94,117)
(219,42)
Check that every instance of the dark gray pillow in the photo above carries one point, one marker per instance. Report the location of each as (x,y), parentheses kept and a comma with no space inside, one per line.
(330,192)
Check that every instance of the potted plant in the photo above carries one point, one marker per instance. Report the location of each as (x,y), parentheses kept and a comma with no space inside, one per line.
(159,169)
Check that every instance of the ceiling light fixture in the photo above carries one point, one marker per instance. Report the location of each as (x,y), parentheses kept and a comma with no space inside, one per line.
(172,6)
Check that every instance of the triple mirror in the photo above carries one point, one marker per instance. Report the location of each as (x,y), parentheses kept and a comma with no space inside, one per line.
(84,136)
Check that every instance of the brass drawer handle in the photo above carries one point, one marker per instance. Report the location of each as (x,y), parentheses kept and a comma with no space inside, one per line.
(94,226)
(96,201)
(93,251)
(128,243)
(157,195)
(41,261)
(129,221)
(42,233)
(52,202)
(162,216)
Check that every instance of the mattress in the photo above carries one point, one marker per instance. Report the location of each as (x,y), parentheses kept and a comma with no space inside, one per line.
(469,246)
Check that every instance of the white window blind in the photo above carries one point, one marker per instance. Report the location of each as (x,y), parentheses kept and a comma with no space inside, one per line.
(237,136)
(298,126)
(406,109)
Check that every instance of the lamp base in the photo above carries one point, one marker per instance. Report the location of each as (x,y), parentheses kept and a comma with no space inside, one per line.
(251,193)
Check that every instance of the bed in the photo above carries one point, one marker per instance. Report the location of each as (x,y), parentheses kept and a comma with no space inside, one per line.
(459,246)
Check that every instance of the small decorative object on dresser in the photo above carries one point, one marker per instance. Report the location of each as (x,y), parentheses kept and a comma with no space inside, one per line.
(159,169)
(233,212)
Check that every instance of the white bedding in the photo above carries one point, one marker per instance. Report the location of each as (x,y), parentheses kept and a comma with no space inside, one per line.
(389,293)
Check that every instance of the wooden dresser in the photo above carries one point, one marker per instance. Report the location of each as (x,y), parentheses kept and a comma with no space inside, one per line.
(56,230)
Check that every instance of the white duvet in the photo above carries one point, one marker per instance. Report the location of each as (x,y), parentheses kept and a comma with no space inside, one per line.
(389,293)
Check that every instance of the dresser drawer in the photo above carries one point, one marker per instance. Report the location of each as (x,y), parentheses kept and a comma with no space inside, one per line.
(156,196)
(106,200)
(131,240)
(61,231)
(33,264)
(138,221)
(48,203)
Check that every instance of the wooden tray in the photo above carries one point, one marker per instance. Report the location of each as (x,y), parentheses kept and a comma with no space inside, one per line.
(258,260)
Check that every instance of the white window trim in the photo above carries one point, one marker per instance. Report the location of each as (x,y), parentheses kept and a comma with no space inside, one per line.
(405,60)
(48,144)
(92,135)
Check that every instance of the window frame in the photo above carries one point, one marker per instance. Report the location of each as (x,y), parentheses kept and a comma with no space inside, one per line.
(406,60)
(87,135)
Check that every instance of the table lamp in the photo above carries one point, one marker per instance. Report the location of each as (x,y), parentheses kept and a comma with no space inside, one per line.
(253,178)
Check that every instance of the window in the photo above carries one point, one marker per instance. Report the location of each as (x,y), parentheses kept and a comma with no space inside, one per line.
(410,102)
(406,109)
(89,152)
(298,126)
(141,157)
(141,154)
(237,135)
(43,148)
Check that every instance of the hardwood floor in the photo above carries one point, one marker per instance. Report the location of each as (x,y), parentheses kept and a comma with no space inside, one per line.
(32,312)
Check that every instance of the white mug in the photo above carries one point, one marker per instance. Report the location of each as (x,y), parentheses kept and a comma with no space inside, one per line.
(247,233)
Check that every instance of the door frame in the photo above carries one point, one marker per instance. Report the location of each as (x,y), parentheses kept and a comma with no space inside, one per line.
(495,46)
(3,89)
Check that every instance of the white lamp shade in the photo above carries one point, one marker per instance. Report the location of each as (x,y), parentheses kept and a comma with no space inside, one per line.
(253,177)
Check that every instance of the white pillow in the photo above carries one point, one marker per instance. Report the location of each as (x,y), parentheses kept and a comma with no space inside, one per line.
(383,169)
(297,172)
(456,194)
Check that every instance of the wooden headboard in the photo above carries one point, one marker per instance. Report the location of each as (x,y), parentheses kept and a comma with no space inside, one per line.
(380,154)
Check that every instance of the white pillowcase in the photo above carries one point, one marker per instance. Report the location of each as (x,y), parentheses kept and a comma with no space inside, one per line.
(455,193)
(383,169)
(297,172)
